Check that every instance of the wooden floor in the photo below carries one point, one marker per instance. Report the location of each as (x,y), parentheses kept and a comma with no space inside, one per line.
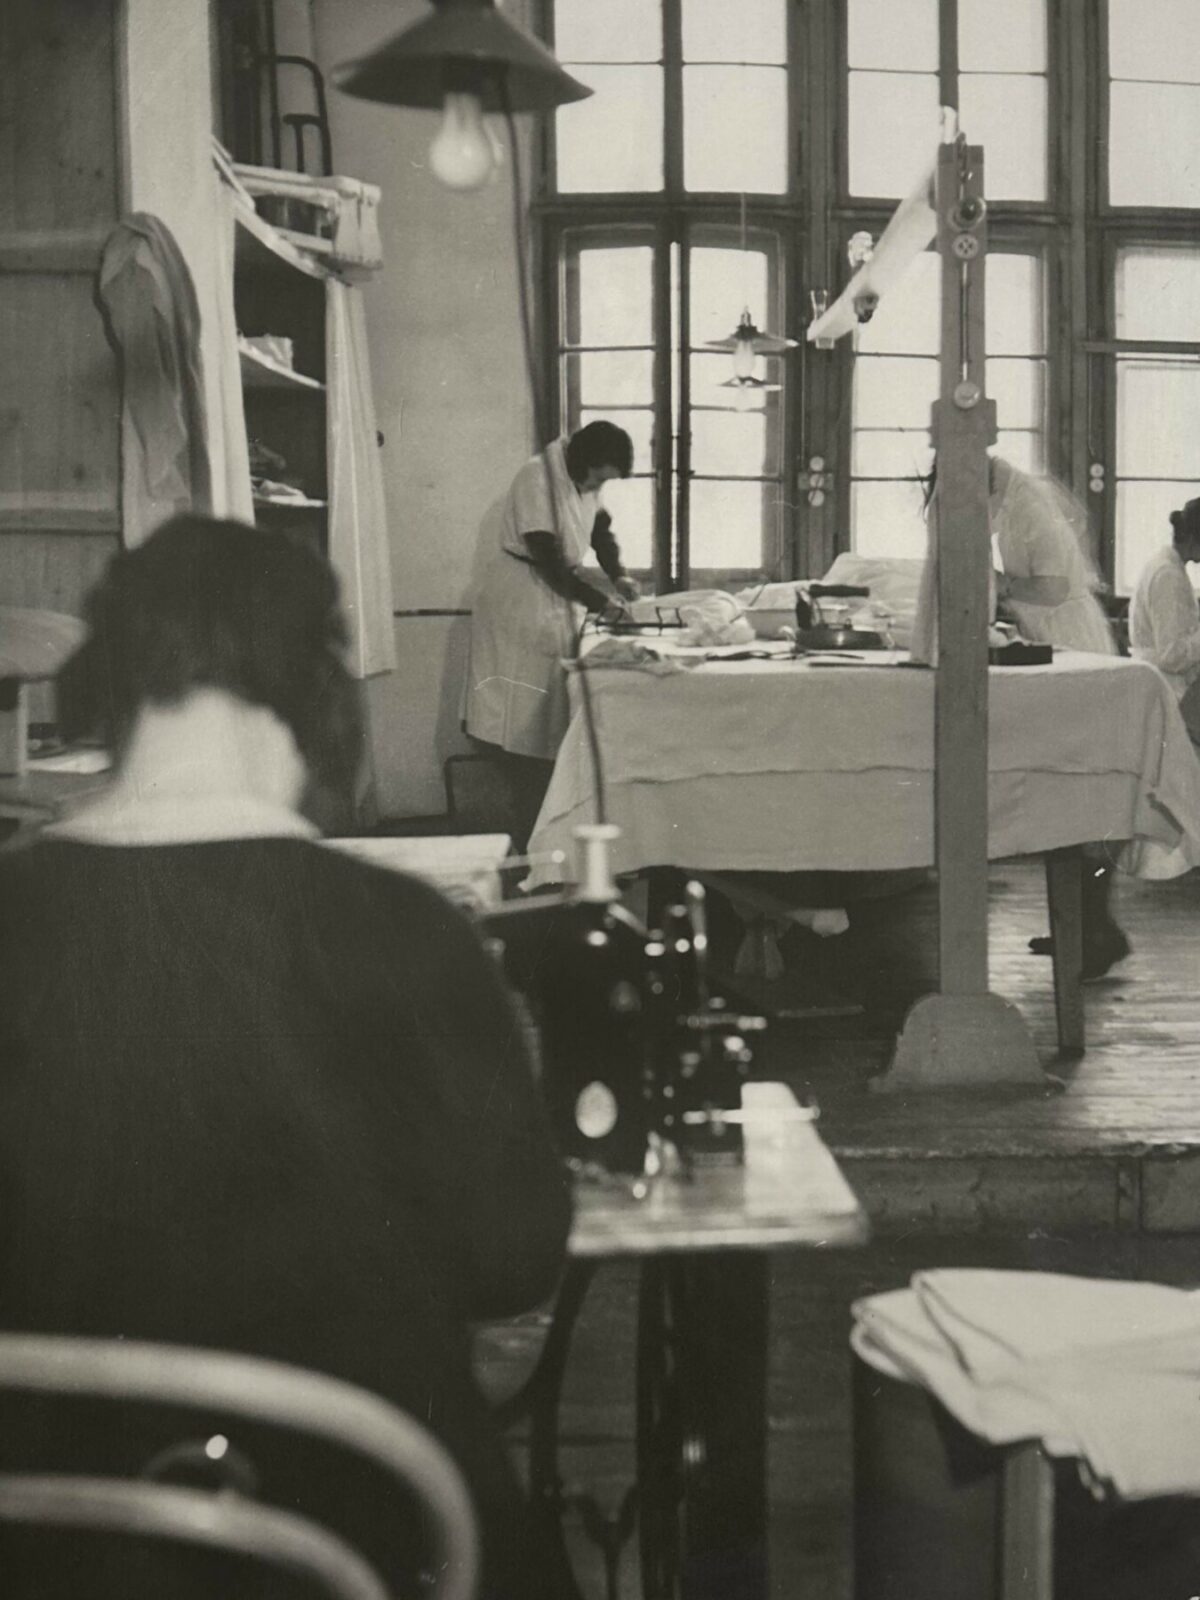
(1098,1174)
(1114,1137)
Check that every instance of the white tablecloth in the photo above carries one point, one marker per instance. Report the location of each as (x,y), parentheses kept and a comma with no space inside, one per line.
(792,766)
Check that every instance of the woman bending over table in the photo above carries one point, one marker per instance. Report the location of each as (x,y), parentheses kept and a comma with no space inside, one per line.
(1046,582)
(1047,585)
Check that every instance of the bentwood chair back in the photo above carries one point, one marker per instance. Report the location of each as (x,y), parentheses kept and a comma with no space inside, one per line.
(308,1405)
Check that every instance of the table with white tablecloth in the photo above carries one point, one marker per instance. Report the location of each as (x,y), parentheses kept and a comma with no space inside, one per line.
(807,765)
(804,765)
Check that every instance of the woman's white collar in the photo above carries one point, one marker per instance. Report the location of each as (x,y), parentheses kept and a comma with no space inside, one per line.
(118,818)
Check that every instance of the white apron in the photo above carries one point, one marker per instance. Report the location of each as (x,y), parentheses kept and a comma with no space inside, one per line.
(516,689)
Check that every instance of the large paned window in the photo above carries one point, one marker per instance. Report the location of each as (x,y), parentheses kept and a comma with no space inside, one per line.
(685,147)
(1154,283)
(1153,103)
(719,68)
(1157,301)
(729,155)
(707,458)
(896,376)
(896,75)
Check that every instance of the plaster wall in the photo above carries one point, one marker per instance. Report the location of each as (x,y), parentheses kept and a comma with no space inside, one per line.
(450,392)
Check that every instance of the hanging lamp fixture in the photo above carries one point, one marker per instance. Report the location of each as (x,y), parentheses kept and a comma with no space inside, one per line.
(465,58)
(747,342)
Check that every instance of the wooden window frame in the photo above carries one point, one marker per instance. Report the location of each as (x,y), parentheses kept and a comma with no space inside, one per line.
(677,213)
(1076,230)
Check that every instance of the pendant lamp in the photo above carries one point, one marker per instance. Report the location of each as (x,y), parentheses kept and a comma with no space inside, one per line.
(747,342)
(465,58)
(745,389)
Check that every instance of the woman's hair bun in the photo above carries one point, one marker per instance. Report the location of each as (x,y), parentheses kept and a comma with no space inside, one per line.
(1176,519)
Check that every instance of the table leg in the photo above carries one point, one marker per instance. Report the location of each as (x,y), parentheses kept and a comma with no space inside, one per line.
(1027,1525)
(1064,898)
(701,1427)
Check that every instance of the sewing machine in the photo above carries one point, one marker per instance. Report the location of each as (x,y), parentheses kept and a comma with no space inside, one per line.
(642,1066)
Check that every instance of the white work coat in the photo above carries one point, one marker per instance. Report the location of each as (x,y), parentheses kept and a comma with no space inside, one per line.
(521,630)
(1035,540)
(1164,620)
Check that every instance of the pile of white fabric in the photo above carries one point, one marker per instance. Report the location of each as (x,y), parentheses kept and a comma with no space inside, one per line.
(1107,1372)
(709,616)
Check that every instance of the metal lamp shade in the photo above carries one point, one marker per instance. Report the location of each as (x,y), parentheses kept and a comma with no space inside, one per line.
(763,344)
(751,385)
(462,45)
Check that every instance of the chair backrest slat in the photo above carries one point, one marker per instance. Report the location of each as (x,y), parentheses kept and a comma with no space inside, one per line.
(308,1404)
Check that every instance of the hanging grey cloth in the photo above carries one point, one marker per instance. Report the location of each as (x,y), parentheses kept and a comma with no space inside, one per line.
(152,318)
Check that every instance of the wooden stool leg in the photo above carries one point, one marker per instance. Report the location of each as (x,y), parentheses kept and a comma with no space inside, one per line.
(1064,898)
(1025,1542)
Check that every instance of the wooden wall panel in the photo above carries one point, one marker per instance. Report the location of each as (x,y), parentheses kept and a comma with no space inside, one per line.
(53,570)
(59,406)
(58,144)
(59,391)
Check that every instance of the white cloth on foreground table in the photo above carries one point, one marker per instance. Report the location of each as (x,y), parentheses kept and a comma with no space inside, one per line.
(1108,1372)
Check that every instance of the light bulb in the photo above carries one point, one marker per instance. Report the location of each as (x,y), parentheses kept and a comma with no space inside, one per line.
(462,155)
(743,358)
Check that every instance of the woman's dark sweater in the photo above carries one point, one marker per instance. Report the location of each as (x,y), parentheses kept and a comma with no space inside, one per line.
(259,1096)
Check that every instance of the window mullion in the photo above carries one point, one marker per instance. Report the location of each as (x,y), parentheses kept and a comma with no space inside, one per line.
(664,412)
(673,97)
(1084,309)
(948,53)
(673,470)
(814,405)
(683,425)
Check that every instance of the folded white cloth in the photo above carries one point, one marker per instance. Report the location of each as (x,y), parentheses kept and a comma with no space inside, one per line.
(708,625)
(636,653)
(1108,1372)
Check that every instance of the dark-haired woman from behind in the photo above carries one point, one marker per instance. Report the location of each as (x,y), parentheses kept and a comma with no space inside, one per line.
(255,1094)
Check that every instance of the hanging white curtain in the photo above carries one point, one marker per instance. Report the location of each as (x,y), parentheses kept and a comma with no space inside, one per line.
(358,531)
(229,454)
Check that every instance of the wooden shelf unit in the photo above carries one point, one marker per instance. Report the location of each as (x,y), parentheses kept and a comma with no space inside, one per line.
(280,290)
(287,502)
(260,371)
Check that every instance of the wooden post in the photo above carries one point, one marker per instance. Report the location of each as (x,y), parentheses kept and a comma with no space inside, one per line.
(963,1036)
